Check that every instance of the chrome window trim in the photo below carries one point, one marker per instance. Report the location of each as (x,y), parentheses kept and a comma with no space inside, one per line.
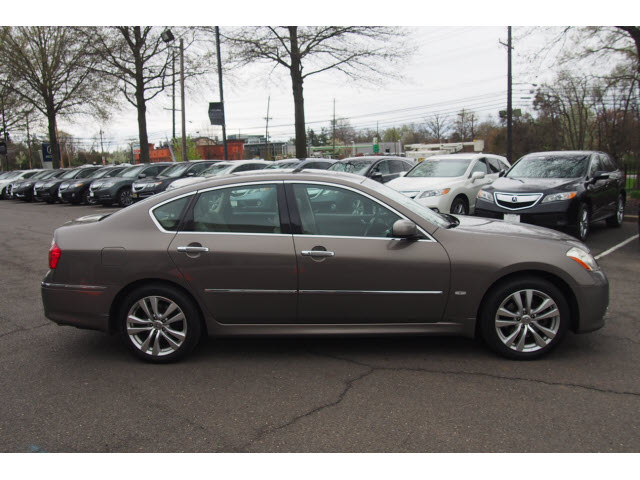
(312,182)
(495,199)
(155,220)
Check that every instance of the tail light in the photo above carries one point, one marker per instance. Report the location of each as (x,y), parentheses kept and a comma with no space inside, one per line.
(54,255)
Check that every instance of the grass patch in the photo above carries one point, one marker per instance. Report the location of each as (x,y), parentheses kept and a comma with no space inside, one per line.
(635,194)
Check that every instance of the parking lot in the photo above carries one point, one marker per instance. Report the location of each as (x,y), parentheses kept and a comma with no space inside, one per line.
(70,390)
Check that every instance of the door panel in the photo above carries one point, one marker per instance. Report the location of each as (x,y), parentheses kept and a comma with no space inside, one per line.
(235,257)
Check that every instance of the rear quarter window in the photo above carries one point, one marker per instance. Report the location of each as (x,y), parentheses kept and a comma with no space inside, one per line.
(169,214)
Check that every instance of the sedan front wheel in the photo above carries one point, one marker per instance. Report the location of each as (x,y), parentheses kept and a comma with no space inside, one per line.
(524,319)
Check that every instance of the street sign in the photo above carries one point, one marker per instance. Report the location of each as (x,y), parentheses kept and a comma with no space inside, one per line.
(3,148)
(216,113)
(46,152)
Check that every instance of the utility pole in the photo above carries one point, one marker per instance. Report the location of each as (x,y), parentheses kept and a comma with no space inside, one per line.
(185,157)
(509,100)
(29,140)
(6,142)
(224,117)
(102,147)
(173,88)
(266,132)
(334,126)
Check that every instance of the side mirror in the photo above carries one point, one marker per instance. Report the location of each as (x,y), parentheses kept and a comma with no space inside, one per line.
(477,176)
(404,229)
(600,176)
(502,173)
(377,176)
(190,174)
(142,175)
(402,174)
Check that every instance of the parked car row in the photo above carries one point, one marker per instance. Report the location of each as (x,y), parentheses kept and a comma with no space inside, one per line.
(561,190)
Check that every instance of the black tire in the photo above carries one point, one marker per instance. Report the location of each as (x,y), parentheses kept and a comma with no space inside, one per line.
(156,346)
(525,345)
(3,194)
(124,197)
(84,198)
(581,229)
(617,219)
(460,206)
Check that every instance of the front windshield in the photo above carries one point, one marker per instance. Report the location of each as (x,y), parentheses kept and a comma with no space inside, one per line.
(436,167)
(550,166)
(175,171)
(70,174)
(113,172)
(86,173)
(411,204)
(279,165)
(132,172)
(359,167)
(49,174)
(11,175)
(214,169)
(101,172)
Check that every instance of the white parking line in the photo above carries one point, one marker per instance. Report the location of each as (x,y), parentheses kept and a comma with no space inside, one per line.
(620,245)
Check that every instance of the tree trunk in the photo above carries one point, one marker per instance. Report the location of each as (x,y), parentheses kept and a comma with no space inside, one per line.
(140,100)
(53,138)
(298,98)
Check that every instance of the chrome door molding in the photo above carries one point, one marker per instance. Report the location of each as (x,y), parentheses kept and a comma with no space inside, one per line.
(374,292)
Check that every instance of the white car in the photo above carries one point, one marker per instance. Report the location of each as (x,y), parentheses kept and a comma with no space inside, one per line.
(14,177)
(221,168)
(450,183)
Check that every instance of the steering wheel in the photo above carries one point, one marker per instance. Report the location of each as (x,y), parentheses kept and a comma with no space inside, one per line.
(376,221)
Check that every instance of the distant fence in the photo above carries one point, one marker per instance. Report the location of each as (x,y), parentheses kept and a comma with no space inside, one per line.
(632,176)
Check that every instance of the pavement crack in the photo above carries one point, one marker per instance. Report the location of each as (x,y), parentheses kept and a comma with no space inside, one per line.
(482,374)
(22,329)
(269,429)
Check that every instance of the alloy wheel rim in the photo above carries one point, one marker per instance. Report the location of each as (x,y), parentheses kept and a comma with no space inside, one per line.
(459,209)
(126,198)
(620,212)
(584,223)
(156,326)
(527,321)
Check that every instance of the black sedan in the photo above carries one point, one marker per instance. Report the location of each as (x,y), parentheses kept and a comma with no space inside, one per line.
(561,190)
(380,169)
(145,187)
(50,190)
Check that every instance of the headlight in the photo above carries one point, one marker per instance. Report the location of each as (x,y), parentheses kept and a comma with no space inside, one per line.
(79,184)
(108,184)
(585,259)
(486,196)
(556,197)
(434,193)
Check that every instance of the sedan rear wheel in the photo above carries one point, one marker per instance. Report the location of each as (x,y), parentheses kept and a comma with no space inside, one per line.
(159,324)
(524,319)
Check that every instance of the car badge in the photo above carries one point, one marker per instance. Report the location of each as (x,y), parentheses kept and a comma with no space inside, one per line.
(514,199)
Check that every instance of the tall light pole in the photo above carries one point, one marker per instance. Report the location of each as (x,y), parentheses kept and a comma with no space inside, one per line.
(224,118)
(509,100)
(168,37)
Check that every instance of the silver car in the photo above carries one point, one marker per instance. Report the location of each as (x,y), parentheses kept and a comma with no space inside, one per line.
(263,254)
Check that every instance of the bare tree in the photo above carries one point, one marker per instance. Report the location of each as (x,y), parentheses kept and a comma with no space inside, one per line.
(438,126)
(142,65)
(51,69)
(357,52)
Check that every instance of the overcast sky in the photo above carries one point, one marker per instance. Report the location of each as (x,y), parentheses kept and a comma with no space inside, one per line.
(450,68)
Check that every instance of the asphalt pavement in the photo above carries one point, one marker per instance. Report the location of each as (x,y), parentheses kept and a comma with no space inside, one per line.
(70,390)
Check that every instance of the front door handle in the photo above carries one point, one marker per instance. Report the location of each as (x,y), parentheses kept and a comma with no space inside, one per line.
(317,253)
(192,249)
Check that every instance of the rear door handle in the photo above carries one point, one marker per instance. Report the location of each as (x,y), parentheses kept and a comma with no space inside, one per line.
(317,253)
(190,249)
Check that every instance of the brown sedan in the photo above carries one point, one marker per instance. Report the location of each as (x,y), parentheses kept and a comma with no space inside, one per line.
(312,253)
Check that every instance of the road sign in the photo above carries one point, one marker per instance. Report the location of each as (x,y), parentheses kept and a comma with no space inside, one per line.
(46,152)
(216,113)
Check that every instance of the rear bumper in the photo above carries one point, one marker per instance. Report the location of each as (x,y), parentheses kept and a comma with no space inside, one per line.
(82,306)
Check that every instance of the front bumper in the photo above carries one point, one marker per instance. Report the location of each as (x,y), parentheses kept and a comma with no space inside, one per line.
(107,195)
(593,302)
(561,214)
(70,195)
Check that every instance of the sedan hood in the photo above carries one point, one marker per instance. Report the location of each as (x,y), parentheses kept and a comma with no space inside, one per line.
(404,184)
(531,185)
(491,227)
